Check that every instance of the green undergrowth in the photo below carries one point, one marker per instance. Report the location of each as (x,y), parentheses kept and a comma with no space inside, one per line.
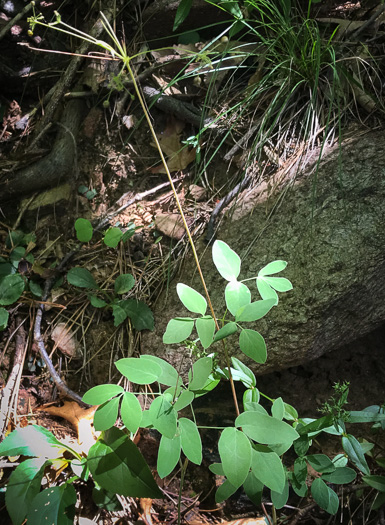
(255,452)
(299,91)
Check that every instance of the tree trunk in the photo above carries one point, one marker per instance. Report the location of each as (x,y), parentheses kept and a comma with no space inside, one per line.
(330,228)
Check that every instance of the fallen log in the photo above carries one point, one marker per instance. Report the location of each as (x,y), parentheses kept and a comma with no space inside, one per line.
(329,226)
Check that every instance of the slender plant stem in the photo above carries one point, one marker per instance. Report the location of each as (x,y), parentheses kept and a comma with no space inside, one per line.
(182,474)
(192,244)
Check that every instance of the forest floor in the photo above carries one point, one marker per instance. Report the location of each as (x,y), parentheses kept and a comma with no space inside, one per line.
(117,167)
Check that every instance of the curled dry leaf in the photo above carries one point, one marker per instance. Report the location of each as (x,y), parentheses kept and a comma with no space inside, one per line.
(66,341)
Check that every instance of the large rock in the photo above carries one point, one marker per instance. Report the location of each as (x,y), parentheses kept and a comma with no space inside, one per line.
(330,228)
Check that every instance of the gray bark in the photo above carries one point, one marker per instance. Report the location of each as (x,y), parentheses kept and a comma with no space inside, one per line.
(330,228)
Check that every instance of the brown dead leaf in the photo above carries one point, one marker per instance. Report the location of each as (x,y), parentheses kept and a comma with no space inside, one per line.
(145,505)
(81,419)
(65,340)
(170,224)
(179,155)
(197,193)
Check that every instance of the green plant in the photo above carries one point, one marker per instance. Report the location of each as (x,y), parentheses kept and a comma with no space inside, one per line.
(139,313)
(15,277)
(252,451)
(115,463)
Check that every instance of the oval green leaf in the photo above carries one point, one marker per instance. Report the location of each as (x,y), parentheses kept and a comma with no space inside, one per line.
(131,412)
(186,397)
(278,408)
(205,328)
(117,465)
(227,262)
(84,230)
(178,330)
(82,278)
(377,482)
(236,295)
(106,414)
(273,267)
(101,393)
(191,299)
(265,429)
(235,452)
(353,449)
(139,371)
(254,311)
(4,315)
(140,314)
(11,288)
(225,331)
(321,463)
(168,455)
(280,284)
(169,375)
(267,467)
(201,370)
(266,291)
(124,283)
(113,237)
(163,417)
(341,476)
(23,485)
(253,345)
(190,440)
